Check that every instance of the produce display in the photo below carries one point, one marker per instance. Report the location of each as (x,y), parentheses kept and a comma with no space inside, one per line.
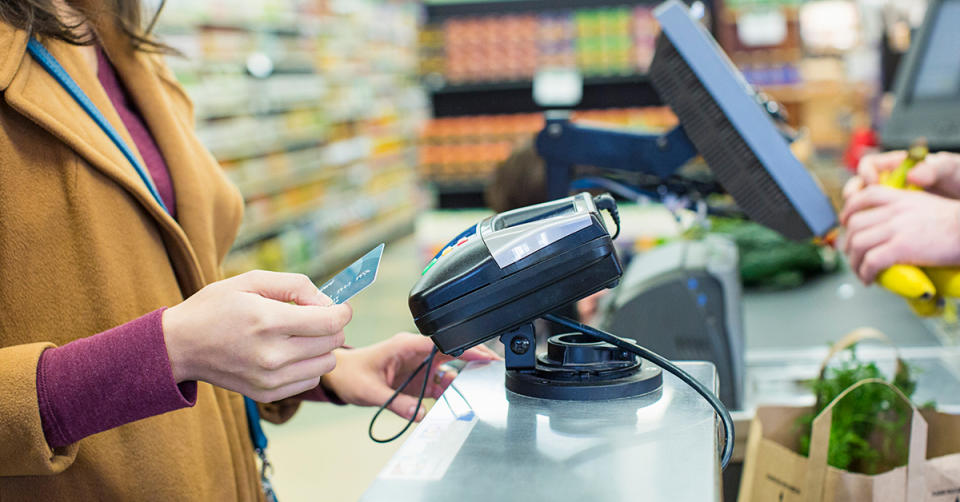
(599,42)
(316,125)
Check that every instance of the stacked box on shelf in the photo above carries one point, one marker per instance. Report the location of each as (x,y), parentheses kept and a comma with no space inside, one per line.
(465,150)
(432,58)
(645,32)
(556,39)
(764,58)
(313,108)
(602,41)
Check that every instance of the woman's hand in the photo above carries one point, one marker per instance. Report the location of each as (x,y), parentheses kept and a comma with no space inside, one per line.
(886,226)
(939,173)
(588,307)
(368,376)
(244,334)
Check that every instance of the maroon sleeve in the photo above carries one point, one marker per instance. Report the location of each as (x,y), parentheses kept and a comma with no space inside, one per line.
(320,394)
(107,380)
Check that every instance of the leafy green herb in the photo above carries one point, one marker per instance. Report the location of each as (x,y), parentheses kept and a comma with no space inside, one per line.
(868,434)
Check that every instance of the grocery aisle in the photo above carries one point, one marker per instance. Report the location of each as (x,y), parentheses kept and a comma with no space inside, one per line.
(324,453)
(315,125)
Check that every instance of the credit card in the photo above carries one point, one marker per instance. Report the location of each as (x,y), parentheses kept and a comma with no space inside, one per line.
(354,278)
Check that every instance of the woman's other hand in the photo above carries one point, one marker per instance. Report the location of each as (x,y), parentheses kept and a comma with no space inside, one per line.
(588,307)
(368,376)
(886,226)
(266,335)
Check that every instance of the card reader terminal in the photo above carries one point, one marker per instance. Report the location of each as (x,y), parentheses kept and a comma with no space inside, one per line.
(514,267)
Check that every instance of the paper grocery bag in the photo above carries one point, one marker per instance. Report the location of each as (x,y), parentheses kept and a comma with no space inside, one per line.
(774,472)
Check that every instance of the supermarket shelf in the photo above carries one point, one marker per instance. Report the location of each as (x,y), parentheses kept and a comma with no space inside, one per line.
(346,249)
(256,148)
(276,184)
(437,11)
(517,97)
(459,194)
(320,164)
(272,226)
(266,228)
(242,108)
(273,28)
(454,187)
(528,85)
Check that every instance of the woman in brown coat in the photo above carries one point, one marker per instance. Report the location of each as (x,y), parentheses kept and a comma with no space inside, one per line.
(105,393)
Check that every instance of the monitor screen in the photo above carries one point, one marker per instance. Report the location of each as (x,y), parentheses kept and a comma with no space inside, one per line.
(736,137)
(938,76)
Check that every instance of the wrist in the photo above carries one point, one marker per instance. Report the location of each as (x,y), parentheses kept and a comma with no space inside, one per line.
(328,381)
(179,363)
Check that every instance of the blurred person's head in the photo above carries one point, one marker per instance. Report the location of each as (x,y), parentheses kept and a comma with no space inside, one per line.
(70,20)
(518,181)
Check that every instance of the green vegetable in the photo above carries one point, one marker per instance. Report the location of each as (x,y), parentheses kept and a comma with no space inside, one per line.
(868,434)
(768,259)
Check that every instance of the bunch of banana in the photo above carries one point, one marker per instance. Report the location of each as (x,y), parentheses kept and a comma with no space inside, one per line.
(925,288)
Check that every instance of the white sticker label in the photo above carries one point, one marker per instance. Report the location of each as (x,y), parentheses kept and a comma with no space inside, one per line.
(428,453)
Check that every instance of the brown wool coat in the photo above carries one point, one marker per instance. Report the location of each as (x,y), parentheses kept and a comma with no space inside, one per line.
(83,248)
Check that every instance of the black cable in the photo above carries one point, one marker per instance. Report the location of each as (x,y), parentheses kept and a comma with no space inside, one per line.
(607,202)
(427,363)
(662,362)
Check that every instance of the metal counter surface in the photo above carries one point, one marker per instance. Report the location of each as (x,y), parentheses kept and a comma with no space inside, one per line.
(826,308)
(485,443)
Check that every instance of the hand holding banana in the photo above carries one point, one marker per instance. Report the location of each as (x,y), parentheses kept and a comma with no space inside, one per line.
(886,228)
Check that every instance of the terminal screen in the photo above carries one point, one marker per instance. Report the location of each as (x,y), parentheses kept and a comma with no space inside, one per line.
(938,77)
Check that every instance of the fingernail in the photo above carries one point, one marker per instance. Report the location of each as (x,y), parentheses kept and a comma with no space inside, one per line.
(328,301)
(413,409)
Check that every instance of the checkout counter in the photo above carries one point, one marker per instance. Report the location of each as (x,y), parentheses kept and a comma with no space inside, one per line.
(483,442)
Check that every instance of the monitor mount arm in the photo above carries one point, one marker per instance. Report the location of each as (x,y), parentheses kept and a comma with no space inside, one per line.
(563,144)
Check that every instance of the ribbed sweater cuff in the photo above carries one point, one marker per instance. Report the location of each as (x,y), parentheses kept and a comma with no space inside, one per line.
(107,380)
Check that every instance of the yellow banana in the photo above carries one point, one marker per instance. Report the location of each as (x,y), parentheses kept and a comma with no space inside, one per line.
(926,307)
(945,279)
(922,288)
(907,281)
(898,177)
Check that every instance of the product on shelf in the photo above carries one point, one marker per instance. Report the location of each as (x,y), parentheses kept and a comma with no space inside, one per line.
(603,41)
(465,150)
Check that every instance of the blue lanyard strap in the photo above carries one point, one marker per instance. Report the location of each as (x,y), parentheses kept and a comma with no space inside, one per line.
(55,69)
(256,430)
